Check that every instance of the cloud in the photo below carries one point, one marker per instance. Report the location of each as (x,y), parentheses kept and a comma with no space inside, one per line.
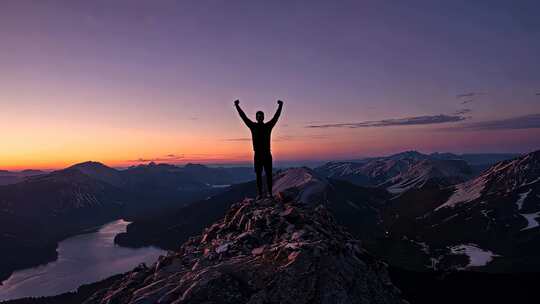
(168,157)
(538,94)
(407,121)
(531,121)
(465,95)
(469,95)
(192,157)
(463,112)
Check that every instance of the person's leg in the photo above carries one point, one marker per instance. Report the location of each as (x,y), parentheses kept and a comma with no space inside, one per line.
(268,171)
(259,184)
(258,172)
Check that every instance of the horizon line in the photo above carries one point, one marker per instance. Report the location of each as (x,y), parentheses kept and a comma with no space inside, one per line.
(235,163)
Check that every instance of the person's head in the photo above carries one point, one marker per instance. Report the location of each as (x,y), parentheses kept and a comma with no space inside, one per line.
(259,116)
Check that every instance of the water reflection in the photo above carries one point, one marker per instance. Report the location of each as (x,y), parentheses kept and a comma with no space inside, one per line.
(82,259)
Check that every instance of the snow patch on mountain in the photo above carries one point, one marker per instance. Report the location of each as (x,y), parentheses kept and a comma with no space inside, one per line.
(400,172)
(477,256)
(532,182)
(532,220)
(416,182)
(465,192)
(373,172)
(522,197)
(429,172)
(342,168)
(501,179)
(485,213)
(310,188)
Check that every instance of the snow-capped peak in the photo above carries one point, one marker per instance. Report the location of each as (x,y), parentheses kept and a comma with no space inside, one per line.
(503,177)
(303,183)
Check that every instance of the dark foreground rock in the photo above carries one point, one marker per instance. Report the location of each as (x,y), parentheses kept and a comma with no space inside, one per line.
(73,297)
(261,252)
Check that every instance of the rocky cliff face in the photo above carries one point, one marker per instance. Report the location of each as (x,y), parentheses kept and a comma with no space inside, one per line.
(262,251)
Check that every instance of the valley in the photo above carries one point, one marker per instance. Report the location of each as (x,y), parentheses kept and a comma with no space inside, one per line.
(431,218)
(93,254)
(40,211)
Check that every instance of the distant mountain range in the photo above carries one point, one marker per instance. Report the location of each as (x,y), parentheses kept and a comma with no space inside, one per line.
(39,209)
(350,203)
(495,215)
(433,214)
(13,177)
(424,212)
(473,159)
(165,176)
(489,222)
(411,169)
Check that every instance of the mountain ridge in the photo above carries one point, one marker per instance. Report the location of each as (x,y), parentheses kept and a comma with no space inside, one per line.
(400,172)
(263,251)
(490,222)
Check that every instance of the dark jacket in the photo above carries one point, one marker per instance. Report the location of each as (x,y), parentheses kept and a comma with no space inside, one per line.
(260,132)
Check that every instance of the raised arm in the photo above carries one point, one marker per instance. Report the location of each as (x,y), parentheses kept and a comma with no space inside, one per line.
(274,119)
(243,115)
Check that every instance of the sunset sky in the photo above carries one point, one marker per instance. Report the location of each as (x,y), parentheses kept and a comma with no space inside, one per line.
(125,82)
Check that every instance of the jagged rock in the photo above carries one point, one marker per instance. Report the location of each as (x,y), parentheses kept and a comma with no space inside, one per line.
(258,250)
(261,252)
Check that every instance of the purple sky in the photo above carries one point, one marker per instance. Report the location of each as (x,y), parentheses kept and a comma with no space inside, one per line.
(120,80)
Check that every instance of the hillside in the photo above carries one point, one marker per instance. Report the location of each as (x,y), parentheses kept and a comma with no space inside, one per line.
(355,207)
(490,222)
(42,208)
(401,172)
(263,251)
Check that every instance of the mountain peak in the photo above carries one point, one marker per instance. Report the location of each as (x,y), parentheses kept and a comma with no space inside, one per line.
(262,251)
(399,172)
(98,171)
(89,164)
(301,184)
(153,166)
(444,155)
(408,155)
(503,177)
(438,172)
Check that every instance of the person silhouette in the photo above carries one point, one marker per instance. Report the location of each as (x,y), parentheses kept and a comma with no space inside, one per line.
(261,137)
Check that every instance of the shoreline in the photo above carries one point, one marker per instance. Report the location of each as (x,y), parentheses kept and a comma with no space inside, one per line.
(46,259)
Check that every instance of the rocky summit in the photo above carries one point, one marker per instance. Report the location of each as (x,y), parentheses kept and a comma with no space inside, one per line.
(263,251)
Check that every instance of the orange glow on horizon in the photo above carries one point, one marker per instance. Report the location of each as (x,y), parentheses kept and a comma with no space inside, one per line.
(120,136)
(141,147)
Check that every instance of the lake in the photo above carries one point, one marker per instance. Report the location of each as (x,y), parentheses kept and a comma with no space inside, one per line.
(82,259)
